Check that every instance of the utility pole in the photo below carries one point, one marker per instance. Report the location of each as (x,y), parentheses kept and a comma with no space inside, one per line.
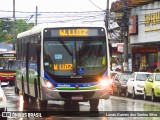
(107,28)
(14,25)
(107,16)
(36,15)
(125,24)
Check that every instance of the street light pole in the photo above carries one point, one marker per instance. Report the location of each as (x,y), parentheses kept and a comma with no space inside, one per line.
(14,25)
(107,15)
(36,15)
(107,28)
(125,23)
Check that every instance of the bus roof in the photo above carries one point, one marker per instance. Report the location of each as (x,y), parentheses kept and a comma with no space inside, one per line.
(37,29)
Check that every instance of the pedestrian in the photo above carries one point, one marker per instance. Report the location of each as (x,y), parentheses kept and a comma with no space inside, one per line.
(154,64)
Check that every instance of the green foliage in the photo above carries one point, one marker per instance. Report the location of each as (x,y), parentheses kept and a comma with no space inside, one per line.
(6,28)
(22,25)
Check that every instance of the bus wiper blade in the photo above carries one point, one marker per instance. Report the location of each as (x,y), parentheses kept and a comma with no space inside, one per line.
(68,50)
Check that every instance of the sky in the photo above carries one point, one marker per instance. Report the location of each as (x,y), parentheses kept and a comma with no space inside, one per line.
(55,10)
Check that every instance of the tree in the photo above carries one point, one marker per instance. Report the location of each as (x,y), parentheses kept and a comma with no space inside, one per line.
(22,25)
(6,29)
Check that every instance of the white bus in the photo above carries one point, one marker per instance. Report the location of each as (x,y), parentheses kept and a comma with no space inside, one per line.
(63,62)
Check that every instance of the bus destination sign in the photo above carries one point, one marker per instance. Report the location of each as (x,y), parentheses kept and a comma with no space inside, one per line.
(74,32)
(9,55)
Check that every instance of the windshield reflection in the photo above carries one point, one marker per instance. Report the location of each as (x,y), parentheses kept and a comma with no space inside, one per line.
(75,57)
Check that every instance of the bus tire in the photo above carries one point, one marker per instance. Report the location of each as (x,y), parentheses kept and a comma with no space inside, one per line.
(22,85)
(43,104)
(34,98)
(94,103)
(25,96)
(35,89)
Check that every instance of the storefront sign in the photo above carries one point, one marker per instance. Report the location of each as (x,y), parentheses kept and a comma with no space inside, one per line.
(120,47)
(144,50)
(133,27)
(152,22)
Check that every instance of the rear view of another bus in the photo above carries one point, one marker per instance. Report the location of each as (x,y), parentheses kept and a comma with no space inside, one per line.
(76,64)
(8,67)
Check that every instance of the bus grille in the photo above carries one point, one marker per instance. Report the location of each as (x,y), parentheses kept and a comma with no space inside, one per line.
(68,95)
(68,79)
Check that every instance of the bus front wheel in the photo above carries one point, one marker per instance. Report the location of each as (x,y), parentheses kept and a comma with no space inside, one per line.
(94,103)
(43,104)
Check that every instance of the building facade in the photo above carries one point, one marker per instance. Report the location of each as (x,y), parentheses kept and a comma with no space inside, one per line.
(144,35)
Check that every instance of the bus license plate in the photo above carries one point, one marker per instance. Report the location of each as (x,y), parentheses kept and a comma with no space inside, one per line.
(77,97)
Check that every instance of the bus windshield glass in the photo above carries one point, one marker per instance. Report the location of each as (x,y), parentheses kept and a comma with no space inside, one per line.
(75,56)
(7,61)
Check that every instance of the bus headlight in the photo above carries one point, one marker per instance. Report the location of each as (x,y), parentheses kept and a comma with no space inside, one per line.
(105,82)
(48,84)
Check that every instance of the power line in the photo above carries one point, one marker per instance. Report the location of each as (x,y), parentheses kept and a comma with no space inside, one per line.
(95,5)
(53,12)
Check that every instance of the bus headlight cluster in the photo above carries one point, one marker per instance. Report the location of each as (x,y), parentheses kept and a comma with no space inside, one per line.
(105,82)
(48,84)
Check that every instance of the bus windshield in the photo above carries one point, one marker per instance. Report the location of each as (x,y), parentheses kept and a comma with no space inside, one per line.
(75,57)
(7,61)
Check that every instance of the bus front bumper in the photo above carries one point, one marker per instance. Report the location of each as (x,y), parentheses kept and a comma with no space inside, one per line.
(80,95)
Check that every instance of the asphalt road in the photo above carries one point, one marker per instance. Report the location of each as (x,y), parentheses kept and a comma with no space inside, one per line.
(117,108)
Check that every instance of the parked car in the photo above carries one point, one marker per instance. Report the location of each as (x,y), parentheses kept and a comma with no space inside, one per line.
(152,87)
(135,84)
(119,83)
(3,101)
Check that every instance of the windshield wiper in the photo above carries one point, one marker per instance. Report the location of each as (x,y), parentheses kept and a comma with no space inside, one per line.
(67,49)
